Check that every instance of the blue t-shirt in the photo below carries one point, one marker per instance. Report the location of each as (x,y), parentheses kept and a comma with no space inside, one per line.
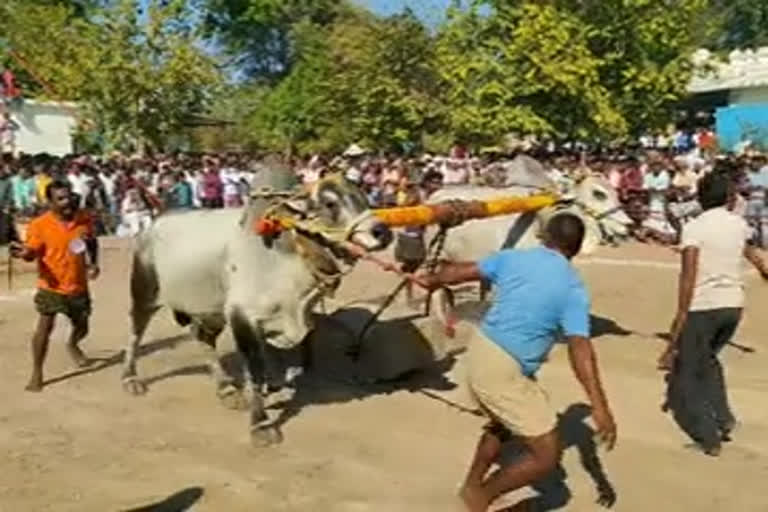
(538,292)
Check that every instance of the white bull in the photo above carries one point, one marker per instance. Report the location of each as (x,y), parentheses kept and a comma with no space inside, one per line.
(211,269)
(593,200)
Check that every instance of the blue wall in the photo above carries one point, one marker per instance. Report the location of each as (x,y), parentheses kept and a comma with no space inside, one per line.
(738,121)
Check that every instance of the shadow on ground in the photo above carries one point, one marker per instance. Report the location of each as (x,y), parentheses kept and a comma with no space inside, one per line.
(395,355)
(553,491)
(100,364)
(181,501)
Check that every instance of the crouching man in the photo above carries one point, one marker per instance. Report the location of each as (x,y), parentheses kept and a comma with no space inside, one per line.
(538,294)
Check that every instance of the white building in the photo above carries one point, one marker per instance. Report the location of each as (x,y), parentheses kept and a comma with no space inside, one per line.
(45,127)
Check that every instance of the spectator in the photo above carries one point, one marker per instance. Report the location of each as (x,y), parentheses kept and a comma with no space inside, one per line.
(757,183)
(230,178)
(181,193)
(8,129)
(24,192)
(212,187)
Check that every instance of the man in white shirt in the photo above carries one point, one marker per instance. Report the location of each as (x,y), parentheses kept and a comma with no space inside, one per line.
(710,303)
(79,182)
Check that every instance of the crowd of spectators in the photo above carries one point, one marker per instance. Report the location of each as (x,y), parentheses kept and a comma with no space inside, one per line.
(656,184)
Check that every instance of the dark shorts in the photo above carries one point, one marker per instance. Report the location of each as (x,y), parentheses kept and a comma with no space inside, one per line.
(73,306)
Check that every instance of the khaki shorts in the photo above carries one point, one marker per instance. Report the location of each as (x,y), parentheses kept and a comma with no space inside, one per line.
(501,390)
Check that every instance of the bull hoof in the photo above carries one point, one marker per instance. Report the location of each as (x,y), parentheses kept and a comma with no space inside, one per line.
(233,398)
(266,436)
(134,386)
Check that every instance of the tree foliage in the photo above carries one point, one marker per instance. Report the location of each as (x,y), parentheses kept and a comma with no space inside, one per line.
(316,75)
(364,79)
(258,35)
(137,74)
(525,68)
(741,24)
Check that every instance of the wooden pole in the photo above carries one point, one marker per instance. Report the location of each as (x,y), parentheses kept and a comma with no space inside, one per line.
(460,211)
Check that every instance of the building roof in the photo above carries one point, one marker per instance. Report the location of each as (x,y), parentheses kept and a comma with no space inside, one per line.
(743,70)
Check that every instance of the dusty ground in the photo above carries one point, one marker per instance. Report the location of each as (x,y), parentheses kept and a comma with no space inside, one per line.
(82,445)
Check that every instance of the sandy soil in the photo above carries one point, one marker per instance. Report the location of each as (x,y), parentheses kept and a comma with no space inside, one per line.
(83,445)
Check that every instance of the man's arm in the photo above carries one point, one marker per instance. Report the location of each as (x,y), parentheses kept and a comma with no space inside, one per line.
(450,274)
(584,364)
(687,283)
(92,246)
(751,254)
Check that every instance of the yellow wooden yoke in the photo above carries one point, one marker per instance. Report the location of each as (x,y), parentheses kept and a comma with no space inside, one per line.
(452,212)
(455,212)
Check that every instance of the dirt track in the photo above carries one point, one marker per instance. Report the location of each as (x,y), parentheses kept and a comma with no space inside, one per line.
(83,445)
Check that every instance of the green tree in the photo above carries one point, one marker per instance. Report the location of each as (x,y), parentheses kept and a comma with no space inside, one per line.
(740,24)
(644,48)
(258,35)
(363,79)
(524,68)
(138,75)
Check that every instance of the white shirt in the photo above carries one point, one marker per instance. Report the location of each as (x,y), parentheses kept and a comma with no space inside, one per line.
(657,186)
(354,175)
(79,184)
(231,179)
(720,236)
(109,185)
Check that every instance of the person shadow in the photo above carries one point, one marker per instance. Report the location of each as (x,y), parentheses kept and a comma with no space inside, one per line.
(553,491)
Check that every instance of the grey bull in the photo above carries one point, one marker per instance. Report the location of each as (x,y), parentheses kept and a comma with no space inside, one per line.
(211,269)
(592,199)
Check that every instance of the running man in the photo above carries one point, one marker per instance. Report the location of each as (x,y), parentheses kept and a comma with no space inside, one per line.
(59,241)
(539,293)
(710,303)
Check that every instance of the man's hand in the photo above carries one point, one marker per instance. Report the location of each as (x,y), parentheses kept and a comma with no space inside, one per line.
(20,251)
(426,280)
(606,426)
(448,274)
(667,359)
(93,272)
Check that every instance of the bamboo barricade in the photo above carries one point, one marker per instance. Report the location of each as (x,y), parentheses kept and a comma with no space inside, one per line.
(457,211)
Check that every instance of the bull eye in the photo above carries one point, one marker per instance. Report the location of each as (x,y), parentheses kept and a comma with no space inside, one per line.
(599,195)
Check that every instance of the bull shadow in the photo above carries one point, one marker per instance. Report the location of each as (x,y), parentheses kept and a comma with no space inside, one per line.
(100,363)
(181,501)
(553,491)
(395,356)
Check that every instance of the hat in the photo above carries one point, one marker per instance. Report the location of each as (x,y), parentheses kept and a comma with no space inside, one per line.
(354,150)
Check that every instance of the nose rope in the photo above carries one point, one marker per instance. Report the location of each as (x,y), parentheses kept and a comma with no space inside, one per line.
(356,222)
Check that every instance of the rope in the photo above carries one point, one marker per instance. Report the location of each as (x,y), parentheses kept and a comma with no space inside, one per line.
(435,250)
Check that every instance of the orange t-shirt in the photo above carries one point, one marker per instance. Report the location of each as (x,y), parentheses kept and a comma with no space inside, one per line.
(61,252)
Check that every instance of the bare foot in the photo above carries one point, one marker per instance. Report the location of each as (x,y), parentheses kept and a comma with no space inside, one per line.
(473,499)
(78,357)
(35,384)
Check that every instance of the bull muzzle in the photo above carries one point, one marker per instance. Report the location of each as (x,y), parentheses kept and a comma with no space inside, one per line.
(370,233)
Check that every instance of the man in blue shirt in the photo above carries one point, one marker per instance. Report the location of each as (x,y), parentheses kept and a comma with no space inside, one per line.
(539,295)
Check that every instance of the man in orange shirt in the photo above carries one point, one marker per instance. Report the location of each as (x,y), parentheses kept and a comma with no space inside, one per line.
(65,248)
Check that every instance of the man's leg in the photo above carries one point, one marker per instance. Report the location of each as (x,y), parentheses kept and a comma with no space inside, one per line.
(542,457)
(691,404)
(79,314)
(40,342)
(718,395)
